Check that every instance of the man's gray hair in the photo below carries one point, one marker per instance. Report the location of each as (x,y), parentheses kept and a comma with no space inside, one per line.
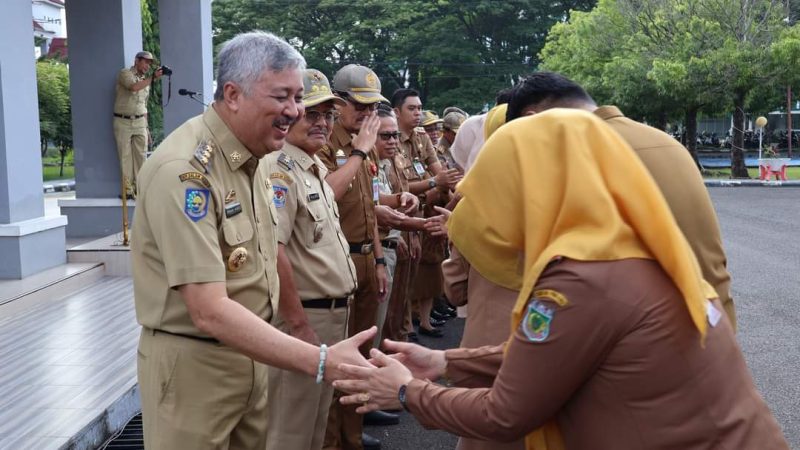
(243,59)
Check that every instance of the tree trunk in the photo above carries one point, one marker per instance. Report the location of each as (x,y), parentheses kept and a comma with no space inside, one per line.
(43,141)
(738,168)
(690,121)
(789,117)
(661,121)
(63,152)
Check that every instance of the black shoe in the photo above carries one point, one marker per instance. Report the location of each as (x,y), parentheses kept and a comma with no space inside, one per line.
(435,332)
(412,337)
(437,323)
(439,316)
(380,419)
(369,442)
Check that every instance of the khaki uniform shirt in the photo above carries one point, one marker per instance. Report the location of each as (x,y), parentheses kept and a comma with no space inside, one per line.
(308,225)
(204,214)
(127,102)
(418,153)
(445,155)
(676,174)
(357,205)
(389,182)
(617,361)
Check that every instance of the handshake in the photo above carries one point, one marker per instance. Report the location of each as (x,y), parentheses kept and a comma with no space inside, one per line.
(375,383)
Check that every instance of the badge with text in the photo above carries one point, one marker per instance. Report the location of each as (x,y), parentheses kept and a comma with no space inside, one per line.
(418,167)
(536,323)
(279,195)
(314,196)
(196,203)
(376,190)
(341,158)
(233,209)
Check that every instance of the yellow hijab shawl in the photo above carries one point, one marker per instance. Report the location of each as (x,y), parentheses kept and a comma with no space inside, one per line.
(562,183)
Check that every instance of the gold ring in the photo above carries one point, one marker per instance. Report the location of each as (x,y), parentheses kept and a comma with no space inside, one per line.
(364,397)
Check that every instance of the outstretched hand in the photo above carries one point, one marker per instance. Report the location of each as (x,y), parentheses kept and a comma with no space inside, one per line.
(373,387)
(423,362)
(346,353)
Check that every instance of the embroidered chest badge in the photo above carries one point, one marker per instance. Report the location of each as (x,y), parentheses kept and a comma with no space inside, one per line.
(196,203)
(536,324)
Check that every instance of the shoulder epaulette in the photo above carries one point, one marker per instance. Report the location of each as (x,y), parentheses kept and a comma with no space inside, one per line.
(286,161)
(202,154)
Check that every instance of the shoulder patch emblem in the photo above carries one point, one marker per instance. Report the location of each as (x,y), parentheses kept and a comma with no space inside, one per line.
(196,203)
(195,176)
(279,195)
(550,294)
(536,323)
(282,176)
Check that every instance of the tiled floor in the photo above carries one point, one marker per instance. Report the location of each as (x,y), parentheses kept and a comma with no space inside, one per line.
(63,362)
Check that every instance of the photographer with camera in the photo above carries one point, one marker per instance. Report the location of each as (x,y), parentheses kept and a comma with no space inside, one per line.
(130,116)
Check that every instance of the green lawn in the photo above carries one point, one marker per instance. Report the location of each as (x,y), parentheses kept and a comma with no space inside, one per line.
(792,173)
(51,172)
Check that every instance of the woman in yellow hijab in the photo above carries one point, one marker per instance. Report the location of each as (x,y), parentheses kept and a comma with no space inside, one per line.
(616,340)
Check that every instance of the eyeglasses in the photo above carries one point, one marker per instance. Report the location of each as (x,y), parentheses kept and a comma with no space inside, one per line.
(432,128)
(361,107)
(389,135)
(313,116)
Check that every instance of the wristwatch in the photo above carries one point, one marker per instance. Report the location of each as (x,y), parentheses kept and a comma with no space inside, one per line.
(358,152)
(380,260)
(431,183)
(401,395)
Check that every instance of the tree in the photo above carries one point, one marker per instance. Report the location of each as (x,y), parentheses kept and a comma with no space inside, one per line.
(150,36)
(55,114)
(453,52)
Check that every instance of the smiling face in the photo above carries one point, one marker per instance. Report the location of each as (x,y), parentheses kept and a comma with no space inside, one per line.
(142,65)
(260,119)
(387,147)
(312,131)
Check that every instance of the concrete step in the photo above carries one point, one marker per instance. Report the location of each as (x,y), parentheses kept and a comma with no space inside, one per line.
(56,282)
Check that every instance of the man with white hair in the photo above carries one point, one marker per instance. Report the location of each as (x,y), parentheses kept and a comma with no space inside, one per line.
(204,261)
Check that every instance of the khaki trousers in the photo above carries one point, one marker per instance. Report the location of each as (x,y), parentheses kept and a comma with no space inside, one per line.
(131,137)
(344,424)
(390,255)
(394,326)
(200,395)
(298,406)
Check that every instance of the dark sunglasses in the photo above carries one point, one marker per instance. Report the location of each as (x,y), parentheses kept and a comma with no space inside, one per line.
(389,135)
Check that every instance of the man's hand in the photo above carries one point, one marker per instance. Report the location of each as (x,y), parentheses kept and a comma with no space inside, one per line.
(448,178)
(387,217)
(416,247)
(424,363)
(368,134)
(157,74)
(346,352)
(408,203)
(383,283)
(374,387)
(437,225)
(402,248)
(304,332)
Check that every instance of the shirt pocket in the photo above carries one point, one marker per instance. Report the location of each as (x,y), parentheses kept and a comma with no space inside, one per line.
(239,251)
(320,232)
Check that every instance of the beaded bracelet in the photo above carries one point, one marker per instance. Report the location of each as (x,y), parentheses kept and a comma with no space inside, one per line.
(323,355)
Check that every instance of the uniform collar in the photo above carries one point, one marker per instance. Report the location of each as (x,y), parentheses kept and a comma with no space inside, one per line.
(406,136)
(234,151)
(340,137)
(608,112)
(300,157)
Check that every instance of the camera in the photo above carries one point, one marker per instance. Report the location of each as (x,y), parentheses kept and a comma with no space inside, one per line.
(165,70)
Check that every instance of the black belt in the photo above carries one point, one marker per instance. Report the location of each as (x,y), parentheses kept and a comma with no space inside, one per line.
(391,244)
(325,303)
(363,249)
(122,116)
(187,336)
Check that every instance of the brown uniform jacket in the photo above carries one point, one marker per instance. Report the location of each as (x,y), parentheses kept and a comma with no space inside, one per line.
(417,154)
(620,365)
(356,206)
(308,225)
(677,176)
(192,220)
(127,102)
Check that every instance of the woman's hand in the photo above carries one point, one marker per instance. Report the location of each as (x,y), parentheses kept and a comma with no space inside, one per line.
(423,362)
(373,388)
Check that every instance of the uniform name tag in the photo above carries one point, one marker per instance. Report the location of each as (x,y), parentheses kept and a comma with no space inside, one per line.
(313,196)
(376,190)
(233,209)
(418,168)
